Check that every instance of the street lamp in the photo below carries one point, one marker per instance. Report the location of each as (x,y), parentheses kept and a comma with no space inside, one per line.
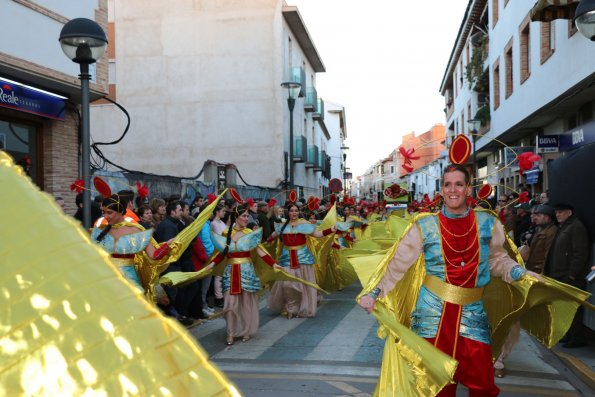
(584,18)
(344,149)
(474,125)
(83,41)
(293,90)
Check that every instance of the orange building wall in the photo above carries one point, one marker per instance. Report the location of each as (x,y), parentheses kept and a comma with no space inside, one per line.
(427,146)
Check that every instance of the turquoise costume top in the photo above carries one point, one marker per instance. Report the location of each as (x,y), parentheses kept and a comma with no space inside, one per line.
(295,245)
(239,253)
(123,250)
(428,311)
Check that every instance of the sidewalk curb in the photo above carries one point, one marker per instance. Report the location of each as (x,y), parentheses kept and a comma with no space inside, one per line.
(579,368)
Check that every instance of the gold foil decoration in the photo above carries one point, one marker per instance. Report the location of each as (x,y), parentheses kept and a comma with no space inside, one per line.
(70,324)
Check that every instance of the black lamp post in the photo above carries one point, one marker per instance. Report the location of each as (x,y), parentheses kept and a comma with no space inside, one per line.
(344,149)
(584,18)
(474,125)
(83,41)
(293,90)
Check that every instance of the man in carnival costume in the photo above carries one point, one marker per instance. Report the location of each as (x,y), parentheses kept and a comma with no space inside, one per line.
(438,279)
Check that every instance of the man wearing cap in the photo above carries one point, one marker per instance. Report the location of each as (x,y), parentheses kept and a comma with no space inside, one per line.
(263,219)
(541,242)
(568,261)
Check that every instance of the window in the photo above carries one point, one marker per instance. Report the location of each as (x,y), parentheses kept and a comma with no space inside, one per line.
(547,39)
(525,49)
(585,113)
(571,121)
(496,73)
(508,64)
(461,73)
(22,142)
(494,12)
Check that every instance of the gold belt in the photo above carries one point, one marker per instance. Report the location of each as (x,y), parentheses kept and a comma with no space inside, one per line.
(452,293)
(295,247)
(123,261)
(233,261)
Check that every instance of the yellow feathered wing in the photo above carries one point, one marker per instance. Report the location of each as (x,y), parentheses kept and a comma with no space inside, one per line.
(71,324)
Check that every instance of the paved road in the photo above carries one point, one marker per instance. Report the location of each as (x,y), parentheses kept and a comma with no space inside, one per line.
(337,353)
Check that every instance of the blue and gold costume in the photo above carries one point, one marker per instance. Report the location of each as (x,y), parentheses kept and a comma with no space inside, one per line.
(124,249)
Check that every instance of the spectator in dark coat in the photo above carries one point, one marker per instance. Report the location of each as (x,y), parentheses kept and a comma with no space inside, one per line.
(263,219)
(568,261)
(180,298)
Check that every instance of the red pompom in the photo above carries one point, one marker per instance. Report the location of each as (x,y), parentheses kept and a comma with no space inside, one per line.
(272,202)
(211,197)
(526,161)
(142,191)
(77,186)
(407,167)
(524,197)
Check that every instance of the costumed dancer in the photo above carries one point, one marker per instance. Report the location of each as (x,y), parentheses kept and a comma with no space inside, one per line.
(297,259)
(123,239)
(240,279)
(456,252)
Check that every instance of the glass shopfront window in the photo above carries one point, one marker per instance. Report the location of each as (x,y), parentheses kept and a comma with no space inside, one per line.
(20,140)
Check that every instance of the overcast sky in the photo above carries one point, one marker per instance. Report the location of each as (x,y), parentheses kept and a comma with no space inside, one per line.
(384,61)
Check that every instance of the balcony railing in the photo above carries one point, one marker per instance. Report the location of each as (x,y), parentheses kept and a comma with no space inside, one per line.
(319,113)
(321,161)
(311,101)
(300,146)
(327,167)
(298,75)
(312,160)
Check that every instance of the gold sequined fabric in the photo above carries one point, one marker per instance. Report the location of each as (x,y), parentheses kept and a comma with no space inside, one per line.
(70,324)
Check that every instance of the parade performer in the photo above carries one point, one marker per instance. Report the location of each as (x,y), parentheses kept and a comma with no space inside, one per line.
(71,325)
(240,279)
(298,259)
(139,257)
(123,240)
(246,267)
(437,279)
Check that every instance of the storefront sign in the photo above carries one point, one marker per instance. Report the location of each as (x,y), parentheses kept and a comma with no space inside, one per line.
(578,137)
(532,176)
(27,99)
(548,143)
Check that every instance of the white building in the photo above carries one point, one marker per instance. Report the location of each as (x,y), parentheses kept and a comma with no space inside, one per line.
(202,81)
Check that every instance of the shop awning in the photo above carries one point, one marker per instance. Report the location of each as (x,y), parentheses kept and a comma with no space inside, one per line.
(548,10)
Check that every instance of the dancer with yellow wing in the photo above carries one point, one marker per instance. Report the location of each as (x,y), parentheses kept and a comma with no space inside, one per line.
(297,258)
(436,280)
(240,279)
(71,324)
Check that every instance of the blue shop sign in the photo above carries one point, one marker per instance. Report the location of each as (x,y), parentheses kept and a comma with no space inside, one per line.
(578,137)
(548,143)
(27,99)
(532,176)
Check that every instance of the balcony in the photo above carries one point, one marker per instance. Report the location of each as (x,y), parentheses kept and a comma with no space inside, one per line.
(327,167)
(312,160)
(300,146)
(311,101)
(298,75)
(319,113)
(321,161)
